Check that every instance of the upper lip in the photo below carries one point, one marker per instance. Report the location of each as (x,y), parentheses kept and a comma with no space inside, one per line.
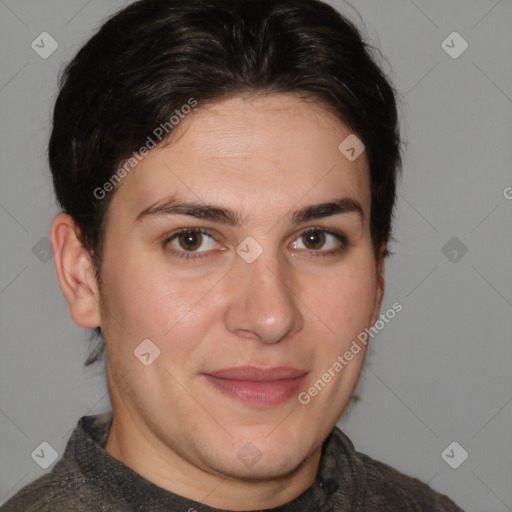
(255,374)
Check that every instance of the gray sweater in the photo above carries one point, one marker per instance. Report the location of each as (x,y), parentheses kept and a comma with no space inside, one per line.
(88,479)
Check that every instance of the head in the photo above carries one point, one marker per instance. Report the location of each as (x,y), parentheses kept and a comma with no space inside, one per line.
(228,117)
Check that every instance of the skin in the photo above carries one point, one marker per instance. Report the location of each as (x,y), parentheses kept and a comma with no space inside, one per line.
(295,305)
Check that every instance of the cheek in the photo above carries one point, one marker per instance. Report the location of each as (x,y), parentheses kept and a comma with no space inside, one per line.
(343,303)
(148,302)
(151,301)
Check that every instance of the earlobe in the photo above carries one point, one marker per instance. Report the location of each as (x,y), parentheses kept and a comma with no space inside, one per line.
(75,272)
(380,284)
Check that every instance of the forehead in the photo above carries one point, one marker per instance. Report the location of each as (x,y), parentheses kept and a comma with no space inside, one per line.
(256,152)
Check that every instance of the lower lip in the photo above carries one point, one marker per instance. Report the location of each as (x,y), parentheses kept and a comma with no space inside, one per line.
(258,393)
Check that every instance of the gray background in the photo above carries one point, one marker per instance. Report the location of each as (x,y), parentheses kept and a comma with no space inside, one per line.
(439,372)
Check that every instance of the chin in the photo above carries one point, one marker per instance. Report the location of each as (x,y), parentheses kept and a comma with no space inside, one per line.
(263,458)
(266,468)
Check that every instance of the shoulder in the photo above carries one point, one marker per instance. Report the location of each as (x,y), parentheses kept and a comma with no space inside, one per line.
(52,492)
(386,489)
(385,484)
(66,487)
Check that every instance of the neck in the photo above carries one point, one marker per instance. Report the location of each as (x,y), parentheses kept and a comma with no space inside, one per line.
(140,450)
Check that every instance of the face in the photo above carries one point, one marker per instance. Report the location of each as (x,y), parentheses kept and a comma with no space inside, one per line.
(249,295)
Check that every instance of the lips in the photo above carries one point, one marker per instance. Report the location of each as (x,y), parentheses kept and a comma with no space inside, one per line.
(259,387)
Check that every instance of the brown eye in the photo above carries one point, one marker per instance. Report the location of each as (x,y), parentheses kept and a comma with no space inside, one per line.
(321,241)
(314,239)
(190,240)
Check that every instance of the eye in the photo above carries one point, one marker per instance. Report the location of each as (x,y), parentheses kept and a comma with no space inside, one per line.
(320,240)
(195,243)
(190,240)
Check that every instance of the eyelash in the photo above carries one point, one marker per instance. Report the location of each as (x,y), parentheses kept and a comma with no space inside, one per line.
(190,255)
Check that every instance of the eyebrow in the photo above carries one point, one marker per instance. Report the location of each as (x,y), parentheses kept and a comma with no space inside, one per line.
(176,206)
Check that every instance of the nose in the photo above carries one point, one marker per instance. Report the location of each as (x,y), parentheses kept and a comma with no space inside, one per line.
(262,304)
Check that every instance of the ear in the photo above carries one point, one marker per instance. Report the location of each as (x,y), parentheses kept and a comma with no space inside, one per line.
(380,283)
(75,272)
